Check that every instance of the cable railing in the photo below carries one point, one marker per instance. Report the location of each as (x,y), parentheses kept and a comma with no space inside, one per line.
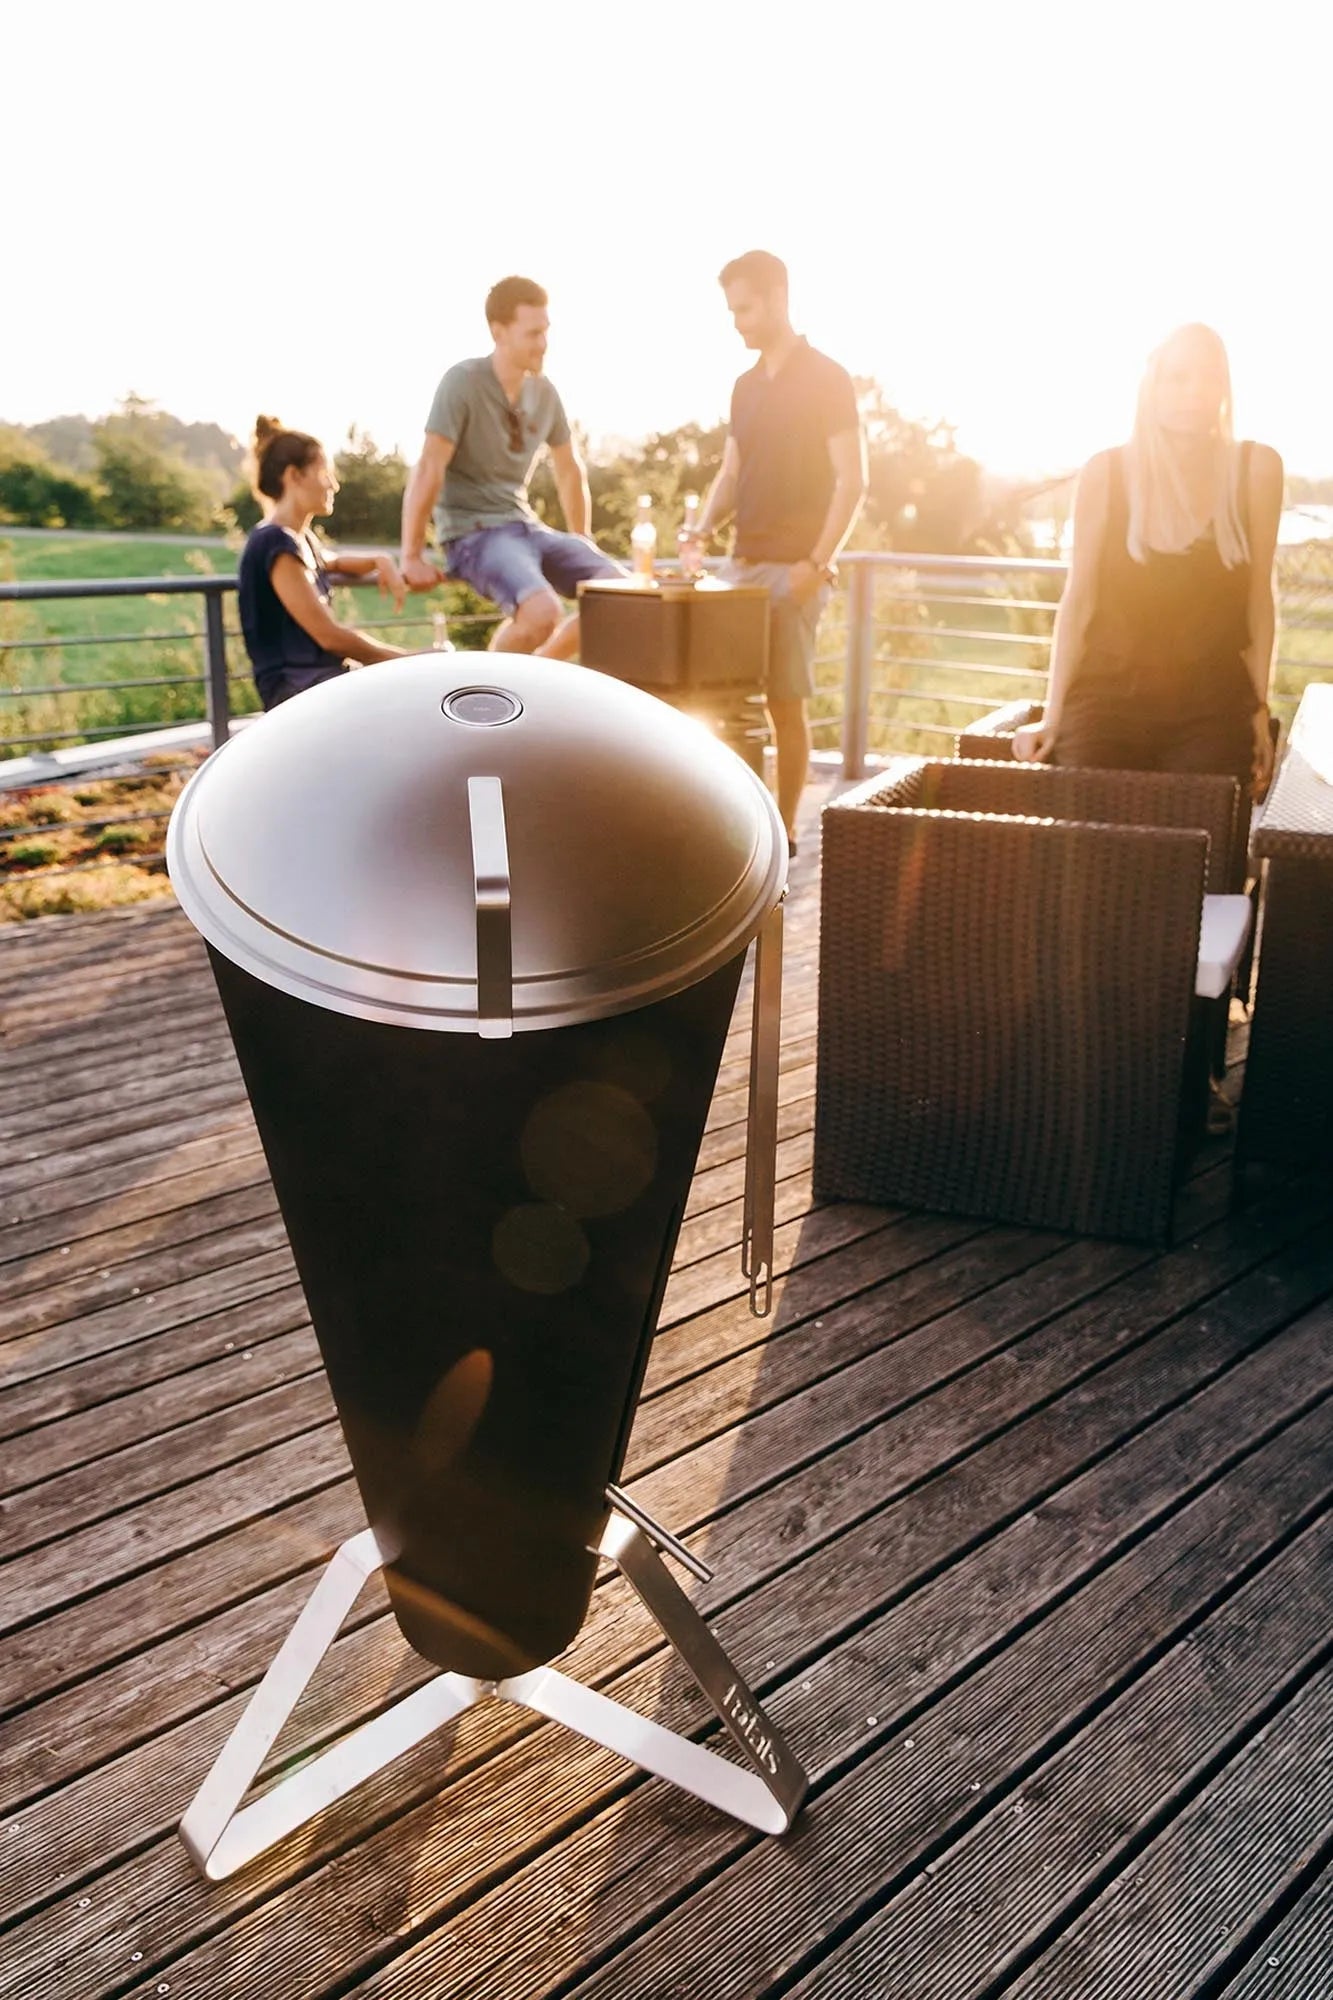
(914,649)
(213,693)
(911,672)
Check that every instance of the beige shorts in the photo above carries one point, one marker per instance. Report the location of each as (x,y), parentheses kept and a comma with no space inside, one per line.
(792,628)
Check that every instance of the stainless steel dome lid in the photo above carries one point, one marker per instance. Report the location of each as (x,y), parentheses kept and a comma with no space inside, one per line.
(374,843)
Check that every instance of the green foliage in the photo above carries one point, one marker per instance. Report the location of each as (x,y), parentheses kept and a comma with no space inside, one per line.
(65,441)
(51,808)
(126,839)
(104,888)
(924,493)
(36,493)
(370,497)
(144,486)
(148,470)
(72,440)
(35,853)
(35,868)
(668,465)
(241,507)
(48,558)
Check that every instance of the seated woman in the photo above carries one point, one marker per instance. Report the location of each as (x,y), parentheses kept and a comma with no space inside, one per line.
(285,578)
(1163,642)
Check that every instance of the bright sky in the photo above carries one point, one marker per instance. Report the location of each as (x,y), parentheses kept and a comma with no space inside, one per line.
(996,211)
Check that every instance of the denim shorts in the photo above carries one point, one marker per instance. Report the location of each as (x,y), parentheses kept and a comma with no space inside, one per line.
(520,558)
(791,627)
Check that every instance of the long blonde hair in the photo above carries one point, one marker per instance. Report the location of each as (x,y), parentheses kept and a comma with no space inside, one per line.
(1162,519)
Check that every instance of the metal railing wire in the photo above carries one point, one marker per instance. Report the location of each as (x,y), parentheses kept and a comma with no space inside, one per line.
(916,646)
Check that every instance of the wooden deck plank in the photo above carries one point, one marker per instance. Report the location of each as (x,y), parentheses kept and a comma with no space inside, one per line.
(1292,1366)
(115,1109)
(1015,1495)
(434,1858)
(245,1228)
(960,1747)
(94,1384)
(92,1440)
(1292,1961)
(155,1466)
(61,1243)
(57,1092)
(142,1214)
(78,1164)
(768,1525)
(56,1349)
(175,1151)
(1027,1860)
(1237,1847)
(1069,1343)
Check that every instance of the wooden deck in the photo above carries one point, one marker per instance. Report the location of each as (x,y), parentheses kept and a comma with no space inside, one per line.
(1026,1541)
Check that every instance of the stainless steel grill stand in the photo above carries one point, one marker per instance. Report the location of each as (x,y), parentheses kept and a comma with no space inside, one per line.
(222,1833)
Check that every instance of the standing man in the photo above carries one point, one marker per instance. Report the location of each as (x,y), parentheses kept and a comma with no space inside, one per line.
(491,419)
(794,472)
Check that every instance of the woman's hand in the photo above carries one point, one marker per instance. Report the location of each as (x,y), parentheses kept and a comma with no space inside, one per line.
(392,582)
(1034,742)
(1261,768)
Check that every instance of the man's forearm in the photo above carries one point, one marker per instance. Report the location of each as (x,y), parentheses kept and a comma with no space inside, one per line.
(575,500)
(418,500)
(719,501)
(843,509)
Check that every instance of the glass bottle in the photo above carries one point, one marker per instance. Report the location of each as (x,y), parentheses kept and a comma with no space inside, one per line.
(688,547)
(643,539)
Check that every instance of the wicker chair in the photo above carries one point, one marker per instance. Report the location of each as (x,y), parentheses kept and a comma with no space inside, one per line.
(1008,958)
(993,736)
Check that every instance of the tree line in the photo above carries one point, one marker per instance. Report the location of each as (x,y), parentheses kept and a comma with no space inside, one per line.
(142,469)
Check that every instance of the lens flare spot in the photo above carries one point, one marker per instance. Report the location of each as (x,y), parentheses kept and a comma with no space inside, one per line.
(540,1248)
(590,1147)
(453,1411)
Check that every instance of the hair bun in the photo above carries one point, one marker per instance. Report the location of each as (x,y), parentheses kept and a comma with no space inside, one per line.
(266,428)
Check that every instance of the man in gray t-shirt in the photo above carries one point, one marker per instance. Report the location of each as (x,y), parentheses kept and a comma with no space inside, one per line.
(488,425)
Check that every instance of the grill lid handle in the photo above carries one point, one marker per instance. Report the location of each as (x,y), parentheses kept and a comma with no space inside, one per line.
(495,942)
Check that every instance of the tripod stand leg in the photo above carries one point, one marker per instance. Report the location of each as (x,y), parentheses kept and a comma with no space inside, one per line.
(220,1833)
(768,1795)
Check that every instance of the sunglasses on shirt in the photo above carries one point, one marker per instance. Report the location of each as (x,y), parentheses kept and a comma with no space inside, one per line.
(515,423)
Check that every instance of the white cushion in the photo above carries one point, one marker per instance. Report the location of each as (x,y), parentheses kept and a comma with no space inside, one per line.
(1222,935)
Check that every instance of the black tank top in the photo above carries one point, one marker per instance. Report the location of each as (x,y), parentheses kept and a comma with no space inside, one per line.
(1169,615)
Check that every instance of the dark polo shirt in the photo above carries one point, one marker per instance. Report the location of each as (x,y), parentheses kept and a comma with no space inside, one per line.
(782,426)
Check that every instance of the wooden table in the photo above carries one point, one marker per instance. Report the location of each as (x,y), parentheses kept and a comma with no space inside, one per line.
(701,646)
(1286,1111)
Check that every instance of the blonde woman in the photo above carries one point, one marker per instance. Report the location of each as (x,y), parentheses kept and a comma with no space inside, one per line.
(1163,642)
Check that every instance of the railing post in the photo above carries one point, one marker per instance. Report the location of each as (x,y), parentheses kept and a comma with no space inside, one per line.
(860,659)
(215,662)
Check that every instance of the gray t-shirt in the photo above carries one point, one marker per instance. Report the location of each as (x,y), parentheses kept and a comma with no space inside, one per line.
(496,444)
